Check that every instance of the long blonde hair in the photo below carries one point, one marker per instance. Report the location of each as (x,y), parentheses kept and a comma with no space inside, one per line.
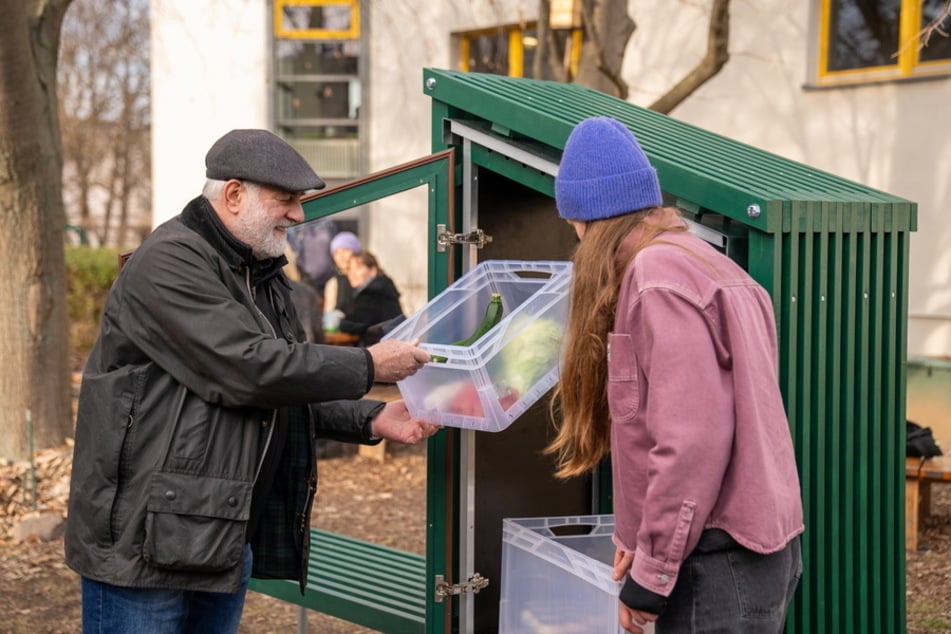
(580,398)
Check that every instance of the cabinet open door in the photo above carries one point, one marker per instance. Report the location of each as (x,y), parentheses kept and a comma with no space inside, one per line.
(435,174)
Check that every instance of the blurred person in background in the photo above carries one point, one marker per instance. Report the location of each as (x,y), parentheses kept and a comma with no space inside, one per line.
(375,299)
(337,290)
(310,244)
(307,302)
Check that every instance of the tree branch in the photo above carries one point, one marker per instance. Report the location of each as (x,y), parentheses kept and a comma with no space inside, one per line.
(935,26)
(717,55)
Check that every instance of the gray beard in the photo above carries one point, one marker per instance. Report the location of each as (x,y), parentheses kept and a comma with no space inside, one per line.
(256,229)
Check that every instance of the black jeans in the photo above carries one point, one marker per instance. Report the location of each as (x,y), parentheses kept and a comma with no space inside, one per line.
(723,587)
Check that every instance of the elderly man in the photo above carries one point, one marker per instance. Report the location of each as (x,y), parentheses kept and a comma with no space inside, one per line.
(200,404)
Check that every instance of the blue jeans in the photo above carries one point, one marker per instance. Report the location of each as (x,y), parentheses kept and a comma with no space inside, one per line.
(723,587)
(109,609)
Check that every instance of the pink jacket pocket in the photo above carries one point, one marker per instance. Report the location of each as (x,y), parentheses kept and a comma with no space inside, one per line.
(623,390)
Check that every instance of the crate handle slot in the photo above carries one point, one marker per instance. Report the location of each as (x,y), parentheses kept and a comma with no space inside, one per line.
(566,530)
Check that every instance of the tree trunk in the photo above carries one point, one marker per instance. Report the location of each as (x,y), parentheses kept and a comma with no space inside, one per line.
(34,375)
(607,31)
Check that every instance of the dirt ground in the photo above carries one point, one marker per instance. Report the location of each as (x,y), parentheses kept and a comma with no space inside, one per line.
(359,496)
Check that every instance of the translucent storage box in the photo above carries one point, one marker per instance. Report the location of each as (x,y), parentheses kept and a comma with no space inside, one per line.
(488,384)
(556,576)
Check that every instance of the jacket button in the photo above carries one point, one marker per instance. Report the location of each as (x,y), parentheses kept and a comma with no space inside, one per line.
(170,495)
(232,501)
(265,423)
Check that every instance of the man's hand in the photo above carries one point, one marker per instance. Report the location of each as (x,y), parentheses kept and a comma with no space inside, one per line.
(394,423)
(395,360)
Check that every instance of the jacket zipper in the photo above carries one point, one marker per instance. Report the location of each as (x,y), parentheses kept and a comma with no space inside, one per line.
(304,533)
(270,430)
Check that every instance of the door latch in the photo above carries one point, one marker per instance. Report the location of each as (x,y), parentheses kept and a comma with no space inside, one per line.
(475,583)
(475,237)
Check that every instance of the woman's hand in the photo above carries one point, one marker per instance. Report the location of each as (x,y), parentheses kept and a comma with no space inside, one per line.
(394,423)
(633,620)
(630,620)
(622,563)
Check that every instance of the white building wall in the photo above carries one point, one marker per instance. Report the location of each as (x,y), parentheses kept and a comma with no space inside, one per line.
(405,37)
(210,74)
(891,136)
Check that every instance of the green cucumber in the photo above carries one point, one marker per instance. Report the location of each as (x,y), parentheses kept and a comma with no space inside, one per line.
(493,315)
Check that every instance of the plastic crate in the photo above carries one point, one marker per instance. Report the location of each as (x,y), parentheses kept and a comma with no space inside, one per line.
(556,576)
(489,384)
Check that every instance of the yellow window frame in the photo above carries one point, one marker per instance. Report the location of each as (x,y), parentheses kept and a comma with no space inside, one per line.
(516,58)
(907,59)
(353,33)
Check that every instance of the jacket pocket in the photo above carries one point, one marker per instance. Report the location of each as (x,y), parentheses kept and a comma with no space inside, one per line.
(623,390)
(196,523)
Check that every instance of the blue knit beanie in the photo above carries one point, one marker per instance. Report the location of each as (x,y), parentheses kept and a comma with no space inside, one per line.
(604,173)
(345,240)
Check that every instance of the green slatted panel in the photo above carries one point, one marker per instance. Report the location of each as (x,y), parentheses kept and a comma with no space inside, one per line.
(361,582)
(833,254)
(841,300)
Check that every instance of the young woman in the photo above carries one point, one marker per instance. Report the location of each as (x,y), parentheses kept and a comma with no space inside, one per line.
(671,366)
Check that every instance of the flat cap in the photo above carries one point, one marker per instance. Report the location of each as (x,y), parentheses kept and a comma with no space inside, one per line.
(261,157)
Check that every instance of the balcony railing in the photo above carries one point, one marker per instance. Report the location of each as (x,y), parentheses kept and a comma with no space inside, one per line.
(334,159)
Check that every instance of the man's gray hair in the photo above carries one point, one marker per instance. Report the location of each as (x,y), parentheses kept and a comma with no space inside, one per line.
(213,188)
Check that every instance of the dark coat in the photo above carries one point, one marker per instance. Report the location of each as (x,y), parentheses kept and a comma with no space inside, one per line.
(178,403)
(375,302)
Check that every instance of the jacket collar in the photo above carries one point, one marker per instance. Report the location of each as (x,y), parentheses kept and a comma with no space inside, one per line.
(200,217)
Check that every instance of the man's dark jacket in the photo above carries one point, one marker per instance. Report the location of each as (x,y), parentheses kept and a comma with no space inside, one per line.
(178,404)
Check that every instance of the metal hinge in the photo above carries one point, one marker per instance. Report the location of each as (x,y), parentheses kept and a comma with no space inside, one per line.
(475,583)
(444,238)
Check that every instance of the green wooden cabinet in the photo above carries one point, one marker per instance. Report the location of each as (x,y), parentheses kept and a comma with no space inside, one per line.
(832,253)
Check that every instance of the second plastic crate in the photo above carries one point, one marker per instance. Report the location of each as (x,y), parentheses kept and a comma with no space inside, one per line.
(487,385)
(556,576)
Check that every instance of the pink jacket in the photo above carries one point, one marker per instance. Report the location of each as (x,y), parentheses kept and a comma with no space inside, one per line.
(699,434)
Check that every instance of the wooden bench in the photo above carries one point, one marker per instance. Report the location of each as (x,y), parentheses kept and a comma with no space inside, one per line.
(338,338)
(358,581)
(919,475)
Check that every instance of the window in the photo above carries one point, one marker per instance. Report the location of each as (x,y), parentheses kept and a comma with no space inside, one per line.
(317,19)
(871,40)
(317,85)
(510,49)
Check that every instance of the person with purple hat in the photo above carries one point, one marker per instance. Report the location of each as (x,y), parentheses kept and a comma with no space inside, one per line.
(194,463)
(338,292)
(671,369)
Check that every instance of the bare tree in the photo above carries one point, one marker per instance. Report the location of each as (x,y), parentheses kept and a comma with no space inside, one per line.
(104,109)
(607,30)
(34,375)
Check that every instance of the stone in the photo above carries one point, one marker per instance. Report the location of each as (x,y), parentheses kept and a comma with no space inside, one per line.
(42,526)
